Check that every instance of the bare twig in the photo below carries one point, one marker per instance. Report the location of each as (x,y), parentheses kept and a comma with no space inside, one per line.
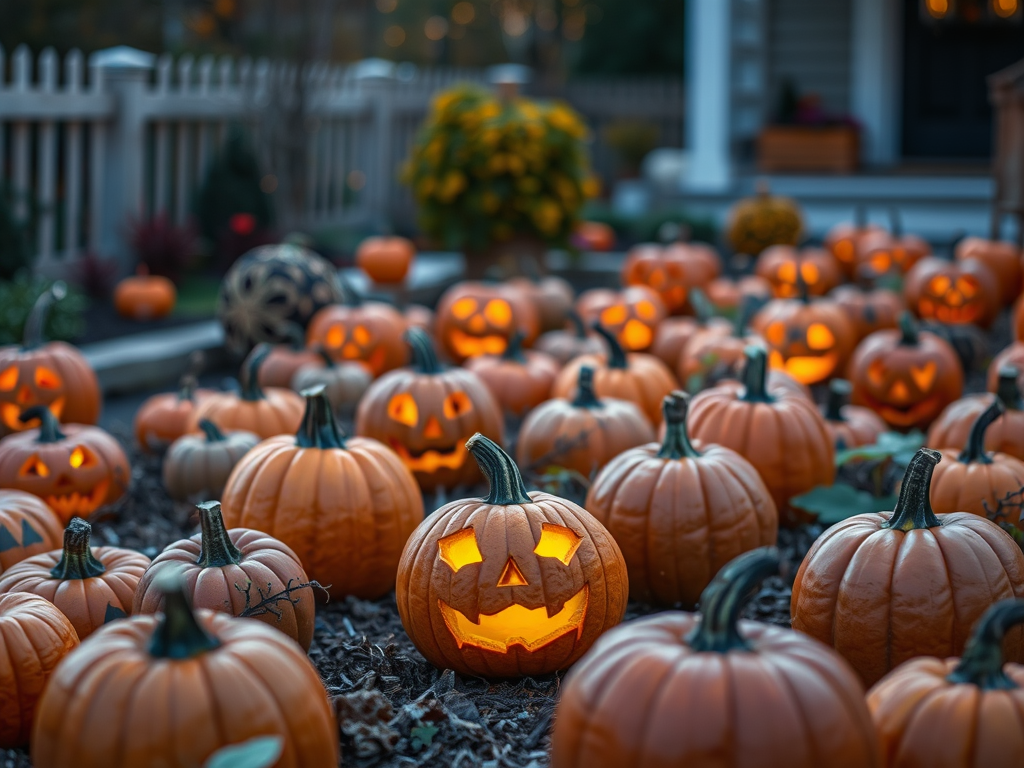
(269,599)
(1013,501)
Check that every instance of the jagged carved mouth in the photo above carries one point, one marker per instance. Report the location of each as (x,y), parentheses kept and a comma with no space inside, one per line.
(12,411)
(431,459)
(75,503)
(907,415)
(471,346)
(531,628)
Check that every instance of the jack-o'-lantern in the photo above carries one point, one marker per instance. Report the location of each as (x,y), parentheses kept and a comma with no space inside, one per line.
(672,273)
(889,253)
(784,266)
(74,468)
(425,413)
(564,345)
(809,340)
(1004,259)
(728,295)
(27,527)
(479,319)
(844,240)
(906,376)
(632,314)
(514,584)
(357,330)
(53,374)
(869,311)
(951,292)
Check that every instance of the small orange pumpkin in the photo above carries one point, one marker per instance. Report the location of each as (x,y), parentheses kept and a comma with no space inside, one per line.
(783,267)
(564,345)
(27,527)
(851,426)
(145,296)
(1003,259)
(728,295)
(551,297)
(883,253)
(595,236)
(519,381)
(344,383)
(953,292)
(869,311)
(671,272)
(716,352)
(1005,435)
(845,240)
(386,259)
(164,418)
(282,363)
(632,314)
(479,319)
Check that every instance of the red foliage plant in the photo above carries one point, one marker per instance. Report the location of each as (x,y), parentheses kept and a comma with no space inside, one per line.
(165,248)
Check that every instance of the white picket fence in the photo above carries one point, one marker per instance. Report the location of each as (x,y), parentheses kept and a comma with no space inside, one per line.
(91,146)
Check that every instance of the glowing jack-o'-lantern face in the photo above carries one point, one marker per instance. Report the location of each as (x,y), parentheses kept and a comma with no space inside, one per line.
(370,333)
(785,267)
(23,387)
(670,276)
(954,293)
(951,299)
(444,448)
(474,319)
(632,315)
(810,342)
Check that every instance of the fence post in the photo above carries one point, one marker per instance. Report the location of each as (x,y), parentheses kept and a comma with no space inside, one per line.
(376,78)
(125,73)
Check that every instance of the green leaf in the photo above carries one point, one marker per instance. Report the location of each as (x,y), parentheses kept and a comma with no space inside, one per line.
(834,503)
(260,752)
(422,736)
(891,445)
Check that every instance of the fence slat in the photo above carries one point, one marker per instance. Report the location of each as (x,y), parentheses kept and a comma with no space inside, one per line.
(20,145)
(47,168)
(181,164)
(73,149)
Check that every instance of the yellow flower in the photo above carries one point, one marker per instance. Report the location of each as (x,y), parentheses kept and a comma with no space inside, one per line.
(425,187)
(528,110)
(515,164)
(528,184)
(564,119)
(566,190)
(491,202)
(497,164)
(547,216)
(490,137)
(489,110)
(444,100)
(591,186)
(452,185)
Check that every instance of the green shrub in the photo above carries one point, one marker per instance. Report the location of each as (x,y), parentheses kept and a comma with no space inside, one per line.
(17,297)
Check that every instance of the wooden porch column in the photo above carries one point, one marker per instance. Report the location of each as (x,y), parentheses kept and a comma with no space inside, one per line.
(877,72)
(708,95)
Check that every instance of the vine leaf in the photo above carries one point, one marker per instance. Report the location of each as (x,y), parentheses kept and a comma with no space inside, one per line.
(834,503)
(891,445)
(261,752)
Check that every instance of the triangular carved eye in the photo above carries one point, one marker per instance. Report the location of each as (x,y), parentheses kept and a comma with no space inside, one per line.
(557,542)
(81,457)
(464,307)
(924,375)
(46,379)
(460,549)
(8,379)
(512,576)
(876,373)
(34,467)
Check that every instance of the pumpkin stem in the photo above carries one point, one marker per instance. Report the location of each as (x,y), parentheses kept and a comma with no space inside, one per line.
(914,508)
(616,354)
(514,350)
(838,395)
(586,397)
(35,324)
(982,662)
(424,357)
(577,324)
(251,389)
(49,426)
(1007,390)
(909,329)
(212,431)
(676,444)
(974,451)
(187,388)
(325,356)
(754,376)
(501,472)
(349,295)
(801,284)
(217,548)
(77,560)
(723,600)
(178,634)
(318,428)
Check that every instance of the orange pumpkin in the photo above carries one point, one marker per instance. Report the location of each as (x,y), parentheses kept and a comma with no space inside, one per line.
(27,527)
(885,253)
(885,587)
(240,572)
(282,364)
(418,316)
(519,381)
(953,292)
(632,314)
(845,240)
(776,429)
(142,680)
(551,297)
(680,512)
(385,259)
(91,586)
(53,374)
(1005,435)
(269,412)
(75,471)
(639,378)
(163,418)
(674,333)
(595,236)
(582,434)
(869,311)
(728,295)
(671,273)
(851,426)
(197,465)
(707,689)
(906,376)
(145,296)
(1003,259)
(564,345)
(345,505)
(479,319)
(426,413)
(34,638)
(783,267)
(716,352)
(509,585)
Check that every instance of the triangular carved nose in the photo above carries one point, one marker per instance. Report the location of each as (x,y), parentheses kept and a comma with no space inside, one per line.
(512,576)
(433,430)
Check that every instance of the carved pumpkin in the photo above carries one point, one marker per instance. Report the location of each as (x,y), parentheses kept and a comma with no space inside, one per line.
(1005,434)
(282,364)
(783,267)
(145,297)
(385,259)
(884,253)
(345,505)
(960,712)
(230,679)
(680,512)
(764,220)
(234,572)
(1012,356)
(519,381)
(869,311)
(53,374)
(845,240)
(369,332)
(851,426)
(513,584)
(906,376)
(728,295)
(91,586)
(1002,259)
(344,383)
(632,314)
(776,429)
(565,345)
(809,340)
(707,689)
(34,638)
(640,378)
(1017,320)
(75,469)
(426,413)
(198,465)
(974,480)
(886,587)
(551,297)
(479,319)
(674,333)
(582,434)
(163,418)
(671,273)
(27,527)
(951,292)
(269,412)
(716,352)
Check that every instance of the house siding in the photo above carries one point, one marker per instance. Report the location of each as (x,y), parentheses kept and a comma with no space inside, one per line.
(810,42)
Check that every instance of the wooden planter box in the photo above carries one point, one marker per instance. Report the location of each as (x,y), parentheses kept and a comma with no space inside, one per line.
(782,148)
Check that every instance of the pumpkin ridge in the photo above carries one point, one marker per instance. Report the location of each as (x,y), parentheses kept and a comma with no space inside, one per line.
(945,548)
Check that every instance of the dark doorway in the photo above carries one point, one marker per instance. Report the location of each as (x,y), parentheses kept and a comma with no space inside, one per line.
(946,113)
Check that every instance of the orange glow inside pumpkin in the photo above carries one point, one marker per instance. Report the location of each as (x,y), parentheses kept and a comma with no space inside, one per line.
(81,457)
(614,315)
(8,379)
(557,542)
(511,576)
(46,379)
(950,300)
(460,549)
(636,335)
(457,404)
(402,408)
(819,337)
(464,307)
(34,467)
(843,250)
(924,376)
(498,312)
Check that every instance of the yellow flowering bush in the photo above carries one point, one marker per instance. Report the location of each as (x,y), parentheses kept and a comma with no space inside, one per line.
(484,170)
